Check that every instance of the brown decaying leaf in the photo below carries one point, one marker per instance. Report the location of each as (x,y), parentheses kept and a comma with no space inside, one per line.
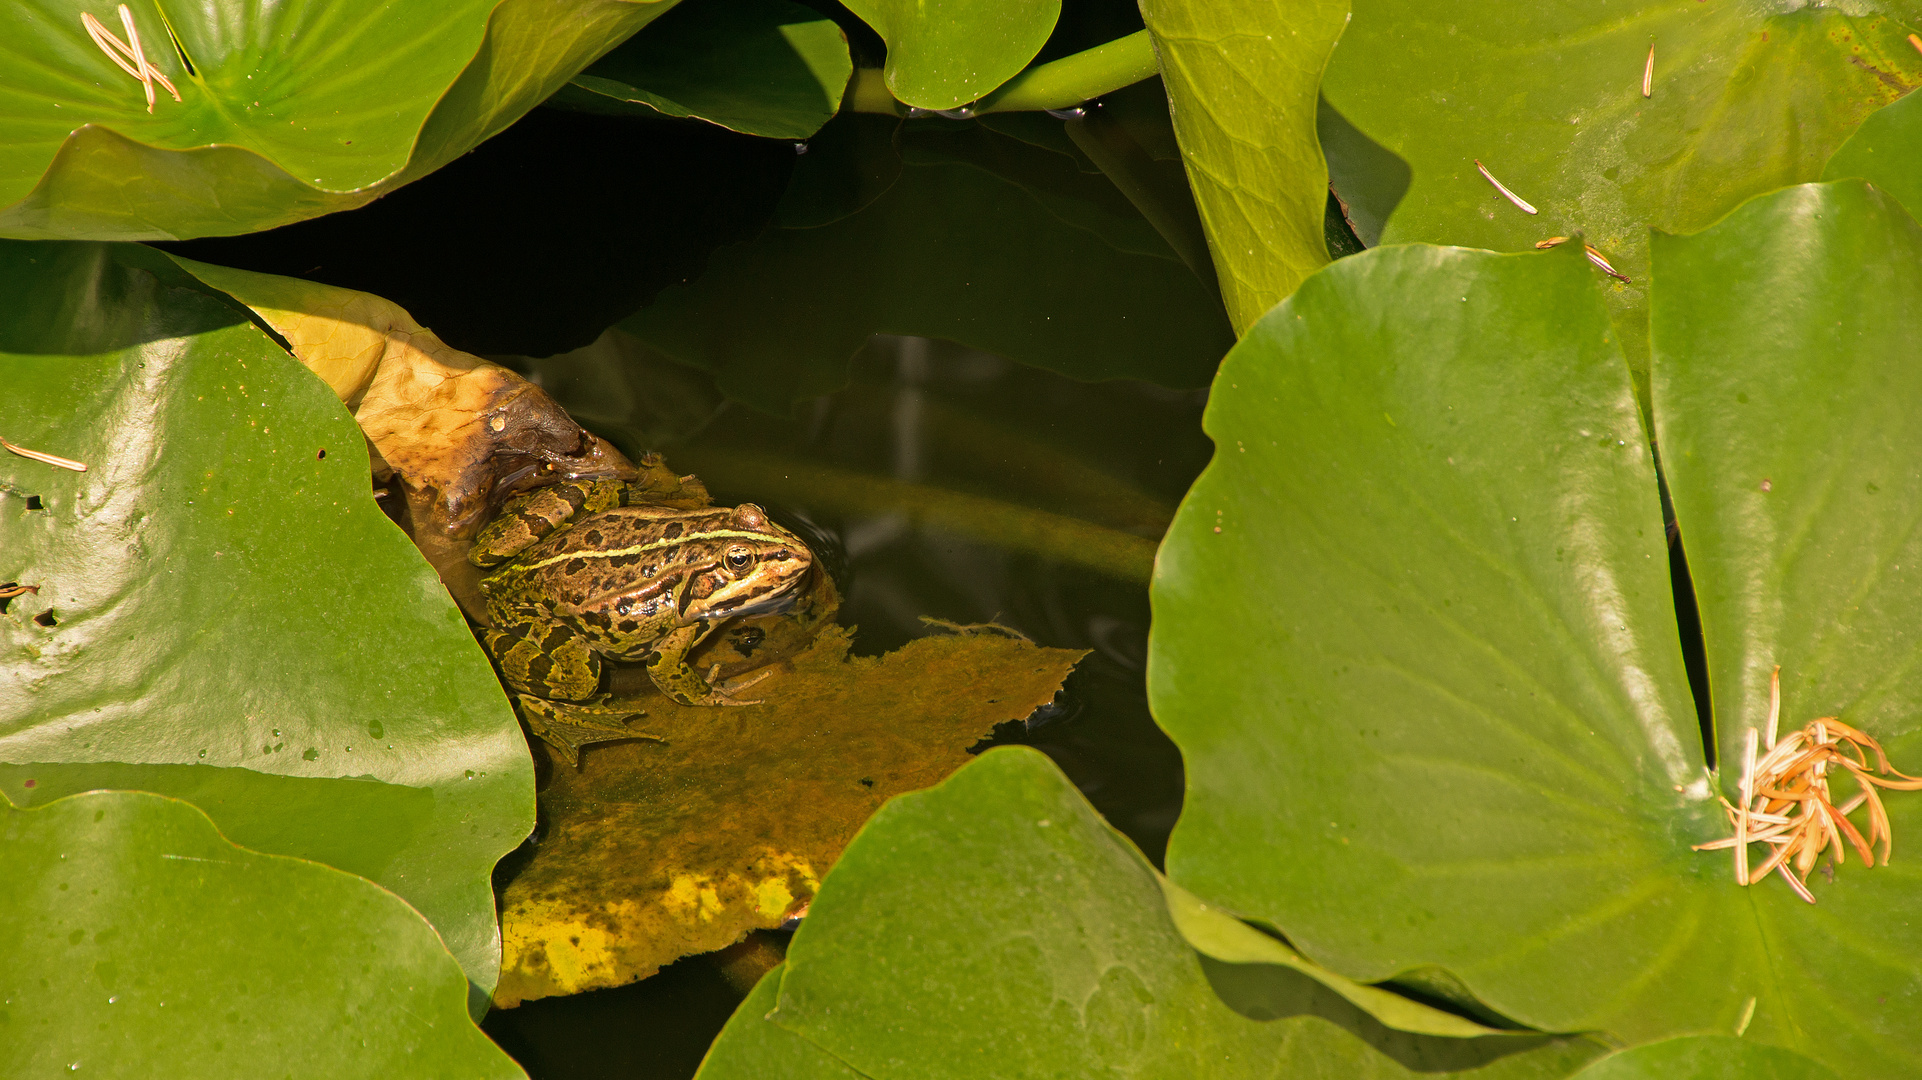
(458,433)
(655,851)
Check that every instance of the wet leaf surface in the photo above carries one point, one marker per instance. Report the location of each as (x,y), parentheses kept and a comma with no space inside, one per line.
(995,924)
(228,617)
(142,943)
(1469,725)
(655,850)
(269,126)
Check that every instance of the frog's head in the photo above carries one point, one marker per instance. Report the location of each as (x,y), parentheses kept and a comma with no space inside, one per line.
(752,566)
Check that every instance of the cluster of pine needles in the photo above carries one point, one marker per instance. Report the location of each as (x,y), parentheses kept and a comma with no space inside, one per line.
(1787,802)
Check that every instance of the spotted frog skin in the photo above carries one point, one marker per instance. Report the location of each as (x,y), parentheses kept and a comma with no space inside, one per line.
(584,572)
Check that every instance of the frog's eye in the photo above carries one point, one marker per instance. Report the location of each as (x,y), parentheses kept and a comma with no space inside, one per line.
(739,559)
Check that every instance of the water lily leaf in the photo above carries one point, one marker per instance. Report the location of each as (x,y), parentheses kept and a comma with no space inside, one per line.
(1784,409)
(970,236)
(751,1046)
(271,125)
(1743,98)
(1468,724)
(1884,151)
(1242,81)
(1216,934)
(146,944)
(761,67)
(662,849)
(996,918)
(1705,1057)
(955,53)
(223,613)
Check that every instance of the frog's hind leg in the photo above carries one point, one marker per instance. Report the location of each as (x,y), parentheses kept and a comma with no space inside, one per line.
(527,518)
(545,660)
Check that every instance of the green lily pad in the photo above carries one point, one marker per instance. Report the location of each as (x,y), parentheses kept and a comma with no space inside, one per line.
(967,235)
(750,1046)
(1886,151)
(1242,80)
(223,613)
(995,924)
(1743,98)
(143,943)
(1705,1057)
(949,55)
(1466,722)
(761,67)
(285,111)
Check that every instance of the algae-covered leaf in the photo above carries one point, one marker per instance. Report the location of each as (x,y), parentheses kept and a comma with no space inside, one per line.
(762,67)
(143,943)
(968,235)
(1705,1057)
(1886,151)
(660,849)
(1742,98)
(223,613)
(274,123)
(1242,87)
(995,925)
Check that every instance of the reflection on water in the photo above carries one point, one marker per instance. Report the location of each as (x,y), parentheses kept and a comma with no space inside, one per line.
(925,416)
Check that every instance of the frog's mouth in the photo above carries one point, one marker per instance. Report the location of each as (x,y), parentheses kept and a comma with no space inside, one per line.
(774,601)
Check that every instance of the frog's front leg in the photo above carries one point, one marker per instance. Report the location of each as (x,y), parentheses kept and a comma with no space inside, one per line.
(666,663)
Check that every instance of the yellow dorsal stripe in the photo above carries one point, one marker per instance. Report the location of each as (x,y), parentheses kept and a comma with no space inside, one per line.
(653,545)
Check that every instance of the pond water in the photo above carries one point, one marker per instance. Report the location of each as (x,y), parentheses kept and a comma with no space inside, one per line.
(886,477)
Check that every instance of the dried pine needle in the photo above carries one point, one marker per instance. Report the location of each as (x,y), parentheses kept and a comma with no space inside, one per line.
(1499,186)
(1596,257)
(1787,803)
(50,459)
(122,52)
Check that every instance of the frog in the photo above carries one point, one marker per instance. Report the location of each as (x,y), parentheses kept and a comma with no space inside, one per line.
(585,572)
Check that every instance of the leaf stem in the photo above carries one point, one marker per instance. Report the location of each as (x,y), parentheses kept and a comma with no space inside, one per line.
(1059,84)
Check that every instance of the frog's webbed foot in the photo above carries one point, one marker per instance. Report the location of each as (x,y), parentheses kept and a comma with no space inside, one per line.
(568,727)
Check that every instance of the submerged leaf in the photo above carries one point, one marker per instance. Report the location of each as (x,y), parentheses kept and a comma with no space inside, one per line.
(658,850)
(968,235)
(762,67)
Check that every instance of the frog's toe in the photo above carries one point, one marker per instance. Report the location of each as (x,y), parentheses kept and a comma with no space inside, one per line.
(568,727)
